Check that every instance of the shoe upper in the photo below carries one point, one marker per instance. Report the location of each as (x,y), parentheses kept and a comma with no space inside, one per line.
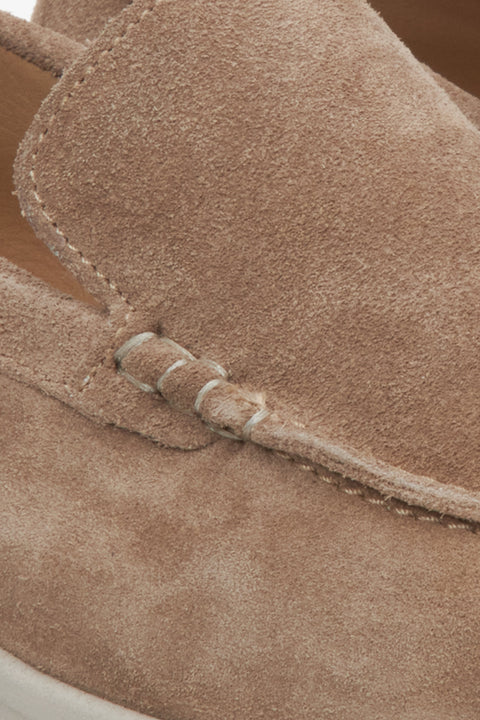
(282,189)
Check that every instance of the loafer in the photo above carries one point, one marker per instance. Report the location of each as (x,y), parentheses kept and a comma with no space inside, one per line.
(239,437)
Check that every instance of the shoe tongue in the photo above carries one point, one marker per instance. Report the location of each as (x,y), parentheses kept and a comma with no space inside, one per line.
(279,186)
(82,21)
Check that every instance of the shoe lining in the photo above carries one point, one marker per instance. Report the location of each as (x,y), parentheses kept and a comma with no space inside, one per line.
(23,86)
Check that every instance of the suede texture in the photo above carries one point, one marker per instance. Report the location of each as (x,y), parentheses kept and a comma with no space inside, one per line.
(468,104)
(224,583)
(227,582)
(57,346)
(81,20)
(295,200)
(198,387)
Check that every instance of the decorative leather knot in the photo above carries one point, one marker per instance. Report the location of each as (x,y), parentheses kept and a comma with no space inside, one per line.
(201,387)
(192,385)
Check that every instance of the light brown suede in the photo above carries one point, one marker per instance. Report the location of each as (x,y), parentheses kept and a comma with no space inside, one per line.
(283,189)
(81,20)
(225,583)
(213,210)
(72,19)
(44,346)
(445,34)
(468,104)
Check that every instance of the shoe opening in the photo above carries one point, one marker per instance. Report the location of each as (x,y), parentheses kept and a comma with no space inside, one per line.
(23,86)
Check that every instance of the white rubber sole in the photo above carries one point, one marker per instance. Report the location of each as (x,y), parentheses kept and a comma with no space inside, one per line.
(26,694)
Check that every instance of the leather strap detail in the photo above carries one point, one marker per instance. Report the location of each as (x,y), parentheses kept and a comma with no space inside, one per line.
(193,386)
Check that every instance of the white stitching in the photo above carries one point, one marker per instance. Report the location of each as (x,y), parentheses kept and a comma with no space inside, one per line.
(218,368)
(256,418)
(130,345)
(89,70)
(140,385)
(353,489)
(183,351)
(210,385)
(224,433)
(174,366)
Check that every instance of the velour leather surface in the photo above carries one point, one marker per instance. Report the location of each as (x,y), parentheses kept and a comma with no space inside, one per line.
(224,584)
(54,333)
(41,46)
(442,33)
(283,188)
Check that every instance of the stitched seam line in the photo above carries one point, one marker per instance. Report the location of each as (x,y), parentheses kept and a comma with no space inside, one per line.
(344,484)
(129,308)
(380,500)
